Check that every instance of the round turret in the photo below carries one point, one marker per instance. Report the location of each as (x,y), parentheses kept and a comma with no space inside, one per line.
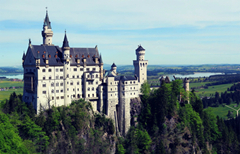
(114,68)
(140,52)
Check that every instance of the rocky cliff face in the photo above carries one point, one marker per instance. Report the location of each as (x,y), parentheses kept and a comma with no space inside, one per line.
(135,104)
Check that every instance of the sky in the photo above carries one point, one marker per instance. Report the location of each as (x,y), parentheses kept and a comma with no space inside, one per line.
(172,32)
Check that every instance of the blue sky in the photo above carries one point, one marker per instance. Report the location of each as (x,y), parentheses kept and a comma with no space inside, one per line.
(171,31)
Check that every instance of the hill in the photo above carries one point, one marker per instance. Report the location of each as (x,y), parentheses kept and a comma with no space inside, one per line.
(160,124)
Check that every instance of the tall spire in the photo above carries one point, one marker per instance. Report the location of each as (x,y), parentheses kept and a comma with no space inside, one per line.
(65,41)
(47,21)
(101,61)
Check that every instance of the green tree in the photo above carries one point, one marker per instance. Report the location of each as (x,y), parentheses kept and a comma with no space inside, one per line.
(10,141)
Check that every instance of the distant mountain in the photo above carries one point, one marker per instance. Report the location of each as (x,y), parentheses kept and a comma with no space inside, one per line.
(11,69)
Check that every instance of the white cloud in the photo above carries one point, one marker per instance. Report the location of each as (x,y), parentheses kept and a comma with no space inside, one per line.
(125,14)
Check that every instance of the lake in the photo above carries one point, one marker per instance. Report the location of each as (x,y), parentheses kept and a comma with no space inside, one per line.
(197,74)
(15,76)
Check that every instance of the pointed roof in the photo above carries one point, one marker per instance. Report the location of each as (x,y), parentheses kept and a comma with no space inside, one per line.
(23,57)
(47,21)
(113,65)
(140,48)
(65,41)
(101,61)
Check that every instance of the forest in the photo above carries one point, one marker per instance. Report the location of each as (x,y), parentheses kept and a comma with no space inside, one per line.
(171,121)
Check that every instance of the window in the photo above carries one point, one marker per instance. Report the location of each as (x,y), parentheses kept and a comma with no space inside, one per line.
(88,95)
(88,69)
(81,69)
(61,77)
(94,69)
(73,95)
(52,98)
(67,89)
(77,89)
(97,76)
(52,84)
(96,82)
(75,69)
(92,76)
(61,84)
(57,77)
(88,89)
(67,75)
(111,94)
(57,97)
(44,77)
(57,91)
(62,97)
(131,82)
(61,70)
(77,83)
(73,76)
(50,70)
(134,87)
(50,77)
(125,82)
(73,89)
(77,76)
(44,92)
(130,87)
(56,69)
(87,76)
(92,89)
(92,95)
(111,89)
(52,91)
(71,83)
(61,90)
(44,85)
(43,70)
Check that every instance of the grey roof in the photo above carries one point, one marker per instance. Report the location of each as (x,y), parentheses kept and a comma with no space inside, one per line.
(65,41)
(23,57)
(140,48)
(101,61)
(47,21)
(125,78)
(56,55)
(113,65)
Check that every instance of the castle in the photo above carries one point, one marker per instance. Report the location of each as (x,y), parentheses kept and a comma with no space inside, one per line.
(56,75)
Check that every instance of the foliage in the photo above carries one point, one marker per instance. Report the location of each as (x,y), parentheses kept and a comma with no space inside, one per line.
(10,141)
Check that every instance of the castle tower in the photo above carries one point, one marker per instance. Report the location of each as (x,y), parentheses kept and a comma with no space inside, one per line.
(114,69)
(66,68)
(101,67)
(140,65)
(47,32)
(186,87)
